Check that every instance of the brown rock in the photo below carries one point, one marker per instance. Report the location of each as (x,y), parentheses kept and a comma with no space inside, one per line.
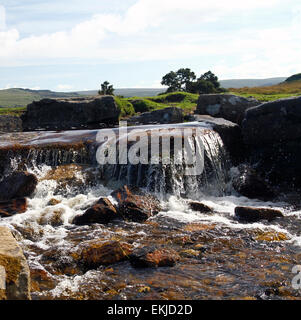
(250,214)
(201,207)
(41,280)
(17,185)
(151,257)
(96,253)
(53,202)
(135,204)
(16,268)
(102,212)
(11,207)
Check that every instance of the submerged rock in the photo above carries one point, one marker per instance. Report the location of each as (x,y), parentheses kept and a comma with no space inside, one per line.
(17,185)
(17,277)
(151,257)
(167,115)
(72,113)
(102,212)
(95,253)
(227,106)
(11,207)
(251,185)
(135,204)
(201,207)
(250,214)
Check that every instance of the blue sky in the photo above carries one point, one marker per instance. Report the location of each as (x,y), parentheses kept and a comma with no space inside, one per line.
(76,45)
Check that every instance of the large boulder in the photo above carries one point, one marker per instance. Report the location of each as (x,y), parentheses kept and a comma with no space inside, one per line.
(273,122)
(229,132)
(10,123)
(167,115)
(72,113)
(136,205)
(17,185)
(272,132)
(16,275)
(227,106)
(250,214)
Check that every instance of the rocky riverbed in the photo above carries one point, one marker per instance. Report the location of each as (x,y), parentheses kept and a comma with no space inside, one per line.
(135,232)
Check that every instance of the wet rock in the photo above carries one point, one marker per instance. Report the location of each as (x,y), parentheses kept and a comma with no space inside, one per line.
(227,106)
(151,257)
(273,136)
(17,185)
(135,204)
(96,253)
(271,236)
(41,280)
(72,113)
(15,265)
(10,123)
(53,202)
(251,185)
(201,207)
(167,115)
(229,132)
(250,214)
(53,217)
(102,212)
(11,207)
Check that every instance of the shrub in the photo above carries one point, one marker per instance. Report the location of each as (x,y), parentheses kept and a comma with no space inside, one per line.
(125,107)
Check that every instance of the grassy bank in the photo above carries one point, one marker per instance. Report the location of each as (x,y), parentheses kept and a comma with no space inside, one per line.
(12,111)
(271,93)
(183,100)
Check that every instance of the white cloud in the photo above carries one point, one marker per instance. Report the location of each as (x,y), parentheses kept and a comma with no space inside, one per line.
(136,36)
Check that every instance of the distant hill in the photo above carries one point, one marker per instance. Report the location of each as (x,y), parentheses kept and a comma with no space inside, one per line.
(269,93)
(294,77)
(127,93)
(22,97)
(240,83)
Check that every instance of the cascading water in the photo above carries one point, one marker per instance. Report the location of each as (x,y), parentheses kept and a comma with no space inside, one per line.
(219,256)
(171,178)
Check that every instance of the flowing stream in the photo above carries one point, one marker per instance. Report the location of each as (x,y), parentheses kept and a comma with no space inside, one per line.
(221,258)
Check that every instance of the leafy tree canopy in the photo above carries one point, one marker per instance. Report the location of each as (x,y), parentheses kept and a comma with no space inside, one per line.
(106,89)
(184,80)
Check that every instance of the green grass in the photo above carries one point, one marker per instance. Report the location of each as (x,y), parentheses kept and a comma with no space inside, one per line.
(183,100)
(271,93)
(12,98)
(125,107)
(18,111)
(266,97)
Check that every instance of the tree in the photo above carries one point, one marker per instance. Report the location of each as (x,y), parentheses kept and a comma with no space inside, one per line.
(201,87)
(211,77)
(178,81)
(106,89)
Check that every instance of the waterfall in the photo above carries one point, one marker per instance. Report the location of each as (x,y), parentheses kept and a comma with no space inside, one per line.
(170,178)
